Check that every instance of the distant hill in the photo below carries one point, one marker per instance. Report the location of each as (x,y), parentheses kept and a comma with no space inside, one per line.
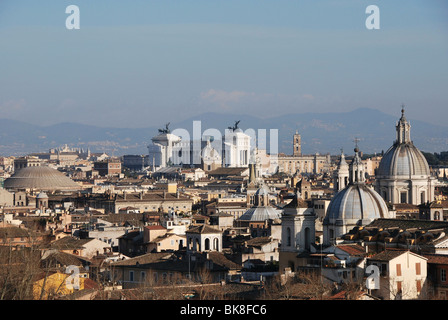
(321,132)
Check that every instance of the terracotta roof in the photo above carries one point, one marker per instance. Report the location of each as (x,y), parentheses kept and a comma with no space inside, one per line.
(408,223)
(65,259)
(406,206)
(219,259)
(352,249)
(436,258)
(15,232)
(390,254)
(156,227)
(258,241)
(144,259)
(69,243)
(227,171)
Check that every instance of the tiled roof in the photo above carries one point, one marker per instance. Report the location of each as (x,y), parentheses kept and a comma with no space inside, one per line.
(406,206)
(227,171)
(15,232)
(436,258)
(408,223)
(219,259)
(258,241)
(69,243)
(352,249)
(65,259)
(156,227)
(144,259)
(387,255)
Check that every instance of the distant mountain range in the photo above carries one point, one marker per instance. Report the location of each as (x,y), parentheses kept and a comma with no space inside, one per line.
(320,132)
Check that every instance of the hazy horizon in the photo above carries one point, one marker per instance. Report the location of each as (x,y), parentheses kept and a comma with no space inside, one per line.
(145,63)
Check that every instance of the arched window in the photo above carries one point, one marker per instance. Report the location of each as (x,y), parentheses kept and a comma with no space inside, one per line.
(216,244)
(207,244)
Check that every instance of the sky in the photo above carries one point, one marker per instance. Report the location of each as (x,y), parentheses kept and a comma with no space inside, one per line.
(145,63)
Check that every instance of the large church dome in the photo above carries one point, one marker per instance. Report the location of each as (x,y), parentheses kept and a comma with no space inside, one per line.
(403,160)
(40,178)
(403,175)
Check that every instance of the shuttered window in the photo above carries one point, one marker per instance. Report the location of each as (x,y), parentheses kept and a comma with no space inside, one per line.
(398,270)
(419,285)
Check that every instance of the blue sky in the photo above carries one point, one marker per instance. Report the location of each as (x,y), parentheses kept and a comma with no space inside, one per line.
(143,63)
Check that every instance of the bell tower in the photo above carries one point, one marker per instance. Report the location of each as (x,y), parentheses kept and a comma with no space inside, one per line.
(297,145)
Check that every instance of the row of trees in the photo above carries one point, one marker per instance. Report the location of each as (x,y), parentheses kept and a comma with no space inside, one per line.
(437,159)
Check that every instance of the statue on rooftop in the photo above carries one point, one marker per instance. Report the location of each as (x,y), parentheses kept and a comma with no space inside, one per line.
(235,126)
(166,130)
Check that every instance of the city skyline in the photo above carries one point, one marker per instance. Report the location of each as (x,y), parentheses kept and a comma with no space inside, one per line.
(147,63)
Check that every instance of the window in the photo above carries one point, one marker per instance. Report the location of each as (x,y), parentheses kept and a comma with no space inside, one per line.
(215,244)
(143,276)
(443,275)
(399,286)
(403,197)
(131,275)
(398,270)
(419,286)
(417,269)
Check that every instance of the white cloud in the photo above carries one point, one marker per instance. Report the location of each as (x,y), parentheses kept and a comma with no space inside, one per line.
(224,99)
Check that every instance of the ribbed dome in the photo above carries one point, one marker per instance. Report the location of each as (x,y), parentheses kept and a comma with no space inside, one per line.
(403,160)
(41,178)
(261,214)
(356,203)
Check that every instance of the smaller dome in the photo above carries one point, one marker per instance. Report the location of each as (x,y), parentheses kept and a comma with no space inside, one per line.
(356,204)
(210,153)
(262,191)
(261,214)
(42,195)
